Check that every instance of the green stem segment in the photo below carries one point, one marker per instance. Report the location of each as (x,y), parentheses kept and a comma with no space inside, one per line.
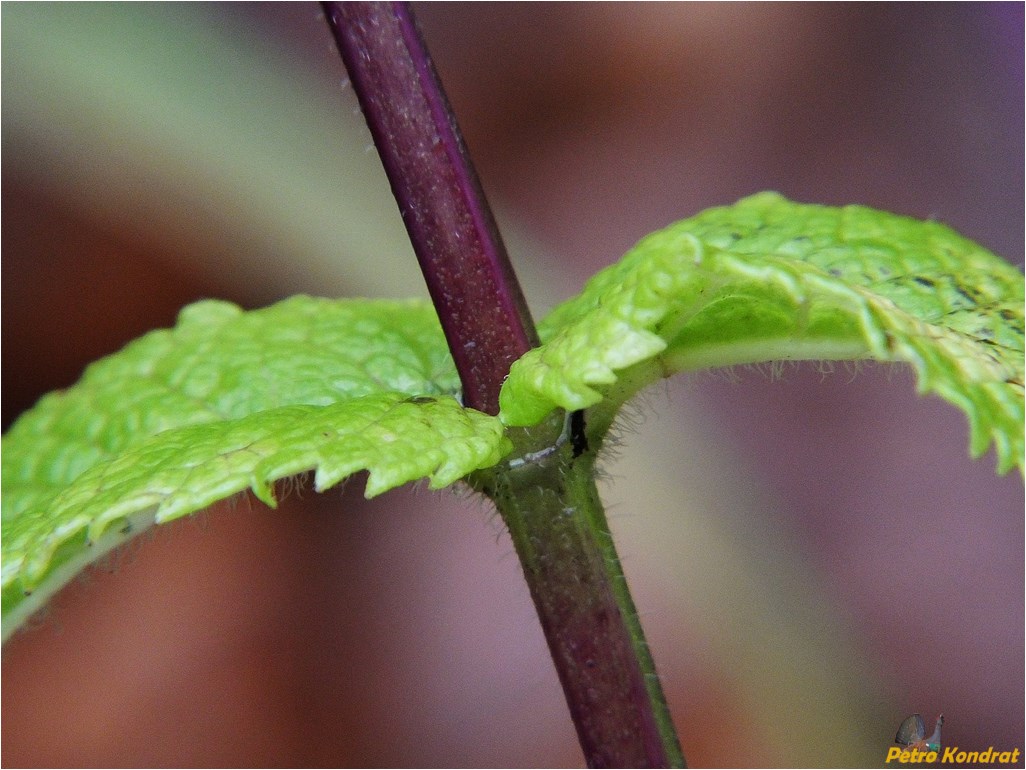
(547,497)
(555,517)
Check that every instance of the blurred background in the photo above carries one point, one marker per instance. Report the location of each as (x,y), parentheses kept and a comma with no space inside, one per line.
(814,556)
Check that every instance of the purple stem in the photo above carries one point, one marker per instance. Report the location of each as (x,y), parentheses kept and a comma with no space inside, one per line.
(569,561)
(468,273)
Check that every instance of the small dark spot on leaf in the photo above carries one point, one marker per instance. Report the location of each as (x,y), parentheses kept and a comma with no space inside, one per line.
(923,281)
(966,292)
(420,400)
(577,438)
(1013,319)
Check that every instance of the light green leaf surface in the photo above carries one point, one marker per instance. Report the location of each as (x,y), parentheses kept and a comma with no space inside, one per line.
(767,279)
(228,401)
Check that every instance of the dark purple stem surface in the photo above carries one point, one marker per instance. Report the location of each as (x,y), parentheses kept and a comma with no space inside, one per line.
(551,507)
(468,273)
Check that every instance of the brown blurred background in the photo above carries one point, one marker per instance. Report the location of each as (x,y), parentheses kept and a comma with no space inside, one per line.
(814,558)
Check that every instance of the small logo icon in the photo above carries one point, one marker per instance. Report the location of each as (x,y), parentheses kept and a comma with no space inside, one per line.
(912,732)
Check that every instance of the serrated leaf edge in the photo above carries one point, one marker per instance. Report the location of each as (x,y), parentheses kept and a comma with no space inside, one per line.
(564,373)
(480,443)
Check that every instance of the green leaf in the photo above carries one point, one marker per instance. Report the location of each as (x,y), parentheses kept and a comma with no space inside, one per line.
(226,401)
(768,279)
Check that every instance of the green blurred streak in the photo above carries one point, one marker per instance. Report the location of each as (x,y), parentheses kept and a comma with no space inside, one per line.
(148,114)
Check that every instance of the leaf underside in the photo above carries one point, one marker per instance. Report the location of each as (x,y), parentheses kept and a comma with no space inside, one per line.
(228,401)
(224,402)
(767,279)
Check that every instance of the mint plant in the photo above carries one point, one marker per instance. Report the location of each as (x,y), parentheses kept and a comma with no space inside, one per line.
(229,401)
